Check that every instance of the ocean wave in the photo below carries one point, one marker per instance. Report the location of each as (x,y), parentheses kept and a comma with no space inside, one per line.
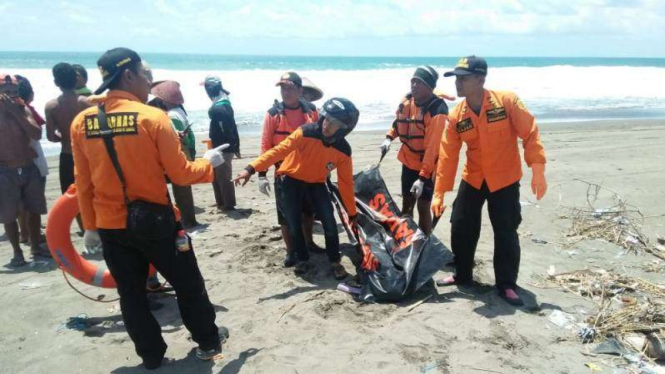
(553,92)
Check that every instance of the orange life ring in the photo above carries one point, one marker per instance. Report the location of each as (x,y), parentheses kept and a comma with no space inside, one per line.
(58,229)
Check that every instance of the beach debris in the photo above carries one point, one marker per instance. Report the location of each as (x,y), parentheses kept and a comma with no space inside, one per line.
(78,323)
(345,287)
(625,307)
(587,334)
(654,266)
(293,305)
(539,241)
(660,240)
(611,346)
(35,263)
(620,224)
(655,346)
(636,341)
(562,319)
(551,271)
(31,285)
(418,303)
(484,370)
(593,367)
(429,367)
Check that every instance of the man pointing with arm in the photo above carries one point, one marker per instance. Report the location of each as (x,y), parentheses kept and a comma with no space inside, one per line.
(109,186)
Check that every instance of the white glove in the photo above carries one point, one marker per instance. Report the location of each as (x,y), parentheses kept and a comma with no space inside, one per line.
(92,242)
(264,186)
(215,155)
(385,146)
(417,188)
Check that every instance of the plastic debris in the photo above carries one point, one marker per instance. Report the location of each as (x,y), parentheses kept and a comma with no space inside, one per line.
(562,319)
(348,289)
(78,323)
(655,346)
(551,271)
(30,285)
(587,334)
(611,346)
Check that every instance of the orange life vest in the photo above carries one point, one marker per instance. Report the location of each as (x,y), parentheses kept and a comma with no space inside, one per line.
(410,127)
(283,128)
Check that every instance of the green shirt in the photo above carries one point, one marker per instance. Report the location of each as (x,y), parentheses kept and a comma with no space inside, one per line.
(83,91)
(180,122)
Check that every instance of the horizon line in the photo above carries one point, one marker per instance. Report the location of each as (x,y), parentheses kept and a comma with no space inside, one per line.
(338,56)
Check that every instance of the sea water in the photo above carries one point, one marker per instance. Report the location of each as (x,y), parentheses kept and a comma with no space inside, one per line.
(554,89)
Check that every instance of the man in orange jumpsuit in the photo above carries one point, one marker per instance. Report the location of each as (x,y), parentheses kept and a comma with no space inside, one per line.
(146,148)
(280,121)
(489,122)
(310,153)
(420,120)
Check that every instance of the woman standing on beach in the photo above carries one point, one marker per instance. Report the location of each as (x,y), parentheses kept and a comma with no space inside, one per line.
(169,98)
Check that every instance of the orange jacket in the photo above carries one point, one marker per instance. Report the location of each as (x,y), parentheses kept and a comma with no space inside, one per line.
(308,159)
(419,129)
(277,127)
(492,151)
(147,148)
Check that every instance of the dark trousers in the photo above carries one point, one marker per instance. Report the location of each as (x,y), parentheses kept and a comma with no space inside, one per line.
(185,201)
(183,196)
(292,192)
(128,258)
(505,214)
(66,171)
(225,192)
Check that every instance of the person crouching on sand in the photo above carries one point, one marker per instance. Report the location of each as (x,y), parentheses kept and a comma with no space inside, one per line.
(309,154)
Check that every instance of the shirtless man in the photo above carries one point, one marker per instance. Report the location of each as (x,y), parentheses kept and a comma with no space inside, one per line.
(59,115)
(20,181)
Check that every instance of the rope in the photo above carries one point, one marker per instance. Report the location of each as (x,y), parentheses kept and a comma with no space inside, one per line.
(98,299)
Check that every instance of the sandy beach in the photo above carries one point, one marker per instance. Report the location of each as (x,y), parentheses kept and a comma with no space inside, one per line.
(280,323)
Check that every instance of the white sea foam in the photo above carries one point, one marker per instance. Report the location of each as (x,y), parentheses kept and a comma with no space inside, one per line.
(552,93)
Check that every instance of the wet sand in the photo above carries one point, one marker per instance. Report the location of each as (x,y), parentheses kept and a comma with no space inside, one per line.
(284,324)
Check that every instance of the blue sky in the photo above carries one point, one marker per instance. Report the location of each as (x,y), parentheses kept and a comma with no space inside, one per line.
(612,28)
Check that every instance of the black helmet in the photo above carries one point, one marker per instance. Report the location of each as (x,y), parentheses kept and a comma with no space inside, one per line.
(341,111)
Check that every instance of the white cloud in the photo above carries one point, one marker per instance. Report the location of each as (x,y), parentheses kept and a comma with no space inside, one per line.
(247,9)
(293,23)
(164,8)
(5,6)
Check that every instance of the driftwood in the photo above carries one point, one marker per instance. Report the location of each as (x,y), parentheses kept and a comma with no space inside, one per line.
(624,304)
(620,224)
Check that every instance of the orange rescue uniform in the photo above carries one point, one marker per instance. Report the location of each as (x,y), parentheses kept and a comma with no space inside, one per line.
(492,151)
(307,158)
(147,148)
(419,128)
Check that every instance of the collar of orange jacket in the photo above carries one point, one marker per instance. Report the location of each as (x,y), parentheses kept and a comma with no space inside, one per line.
(486,102)
(118,94)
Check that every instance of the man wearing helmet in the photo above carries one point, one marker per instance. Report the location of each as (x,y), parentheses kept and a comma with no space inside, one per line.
(309,154)
(279,122)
